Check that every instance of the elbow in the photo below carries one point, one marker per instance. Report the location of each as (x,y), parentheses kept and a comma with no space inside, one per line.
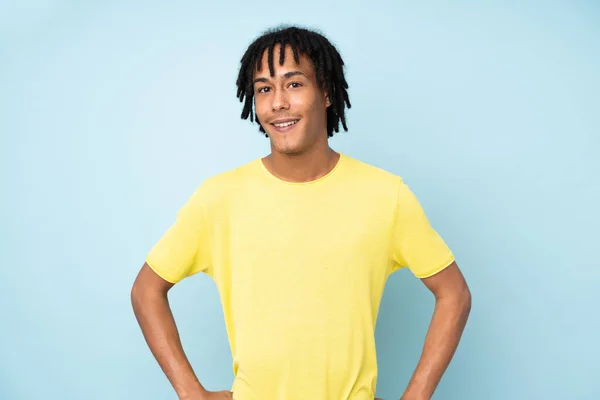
(138,294)
(465,299)
(141,298)
(136,289)
(135,295)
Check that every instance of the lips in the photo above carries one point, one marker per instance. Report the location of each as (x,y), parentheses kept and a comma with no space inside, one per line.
(284,125)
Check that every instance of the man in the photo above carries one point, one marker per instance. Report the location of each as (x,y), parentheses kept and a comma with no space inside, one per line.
(300,244)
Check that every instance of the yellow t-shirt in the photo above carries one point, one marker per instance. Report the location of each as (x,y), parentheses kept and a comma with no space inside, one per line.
(300,269)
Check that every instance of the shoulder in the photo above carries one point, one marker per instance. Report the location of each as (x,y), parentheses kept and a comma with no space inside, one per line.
(370,174)
(221,185)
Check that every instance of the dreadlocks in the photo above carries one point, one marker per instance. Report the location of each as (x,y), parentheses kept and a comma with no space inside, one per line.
(326,61)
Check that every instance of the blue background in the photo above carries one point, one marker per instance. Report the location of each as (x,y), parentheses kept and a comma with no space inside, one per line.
(111,113)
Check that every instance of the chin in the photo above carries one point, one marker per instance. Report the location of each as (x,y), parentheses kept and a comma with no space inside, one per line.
(287,149)
(286,146)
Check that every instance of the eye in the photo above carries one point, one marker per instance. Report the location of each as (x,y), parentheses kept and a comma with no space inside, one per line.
(295,84)
(262,89)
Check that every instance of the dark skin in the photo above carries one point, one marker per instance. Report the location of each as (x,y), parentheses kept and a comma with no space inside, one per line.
(299,154)
(452,308)
(153,313)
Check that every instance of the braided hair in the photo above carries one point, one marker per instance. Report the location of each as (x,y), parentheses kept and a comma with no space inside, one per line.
(326,61)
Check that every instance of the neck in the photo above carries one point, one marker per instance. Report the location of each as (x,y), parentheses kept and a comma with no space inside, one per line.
(302,167)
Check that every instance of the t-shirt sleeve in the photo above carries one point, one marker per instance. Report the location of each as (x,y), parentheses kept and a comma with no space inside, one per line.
(415,244)
(184,249)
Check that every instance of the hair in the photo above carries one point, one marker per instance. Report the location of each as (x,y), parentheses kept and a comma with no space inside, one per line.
(326,61)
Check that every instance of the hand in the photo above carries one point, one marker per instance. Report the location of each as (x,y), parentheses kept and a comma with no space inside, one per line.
(206,395)
(222,395)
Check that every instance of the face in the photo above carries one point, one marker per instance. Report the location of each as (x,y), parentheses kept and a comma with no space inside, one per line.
(291,106)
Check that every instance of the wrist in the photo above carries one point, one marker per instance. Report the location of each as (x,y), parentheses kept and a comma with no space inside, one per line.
(413,394)
(408,396)
(196,392)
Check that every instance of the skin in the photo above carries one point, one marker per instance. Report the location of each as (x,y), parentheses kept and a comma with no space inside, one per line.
(154,315)
(452,308)
(302,154)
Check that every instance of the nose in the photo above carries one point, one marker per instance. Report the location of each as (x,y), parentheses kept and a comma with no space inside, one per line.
(280,100)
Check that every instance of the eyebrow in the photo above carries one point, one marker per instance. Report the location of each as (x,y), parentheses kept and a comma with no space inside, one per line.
(287,75)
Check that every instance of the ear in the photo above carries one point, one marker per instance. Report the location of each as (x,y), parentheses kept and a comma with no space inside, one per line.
(327,101)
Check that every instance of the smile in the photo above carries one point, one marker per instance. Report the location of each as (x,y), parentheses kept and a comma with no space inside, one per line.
(284,124)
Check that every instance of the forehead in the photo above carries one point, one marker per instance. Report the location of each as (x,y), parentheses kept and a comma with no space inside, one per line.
(289,63)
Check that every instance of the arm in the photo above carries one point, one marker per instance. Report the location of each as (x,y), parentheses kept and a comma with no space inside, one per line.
(153,313)
(452,308)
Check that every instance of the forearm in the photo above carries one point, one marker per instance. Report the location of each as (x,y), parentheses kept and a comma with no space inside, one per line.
(155,318)
(446,327)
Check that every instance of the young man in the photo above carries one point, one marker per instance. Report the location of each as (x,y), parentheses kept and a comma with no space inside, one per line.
(300,244)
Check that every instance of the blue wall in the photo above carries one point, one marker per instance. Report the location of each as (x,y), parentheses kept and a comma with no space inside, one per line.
(112,114)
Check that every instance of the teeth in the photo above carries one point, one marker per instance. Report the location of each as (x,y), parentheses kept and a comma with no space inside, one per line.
(283,125)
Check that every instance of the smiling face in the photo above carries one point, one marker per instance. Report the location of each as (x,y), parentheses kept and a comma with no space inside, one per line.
(291,106)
